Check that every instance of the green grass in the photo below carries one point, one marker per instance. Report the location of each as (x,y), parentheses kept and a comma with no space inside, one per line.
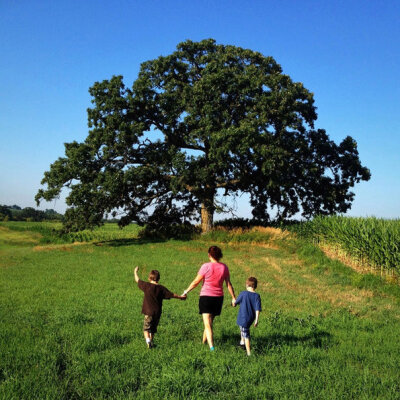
(71,328)
(51,232)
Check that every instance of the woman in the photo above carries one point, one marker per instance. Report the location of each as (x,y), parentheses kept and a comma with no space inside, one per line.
(213,274)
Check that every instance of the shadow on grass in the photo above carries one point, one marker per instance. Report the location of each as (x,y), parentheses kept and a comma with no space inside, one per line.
(142,240)
(317,339)
(128,242)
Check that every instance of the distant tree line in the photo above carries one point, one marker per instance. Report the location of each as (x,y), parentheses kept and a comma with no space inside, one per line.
(16,213)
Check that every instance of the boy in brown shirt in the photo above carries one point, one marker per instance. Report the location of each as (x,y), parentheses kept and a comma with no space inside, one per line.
(154,294)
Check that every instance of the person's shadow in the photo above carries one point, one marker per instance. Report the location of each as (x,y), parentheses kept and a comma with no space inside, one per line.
(263,344)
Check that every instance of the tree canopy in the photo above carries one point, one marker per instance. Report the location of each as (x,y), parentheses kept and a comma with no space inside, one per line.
(205,119)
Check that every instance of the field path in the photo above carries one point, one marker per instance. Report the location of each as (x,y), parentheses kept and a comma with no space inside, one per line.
(290,283)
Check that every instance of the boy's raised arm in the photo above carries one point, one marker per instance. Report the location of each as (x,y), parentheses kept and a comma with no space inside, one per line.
(136,274)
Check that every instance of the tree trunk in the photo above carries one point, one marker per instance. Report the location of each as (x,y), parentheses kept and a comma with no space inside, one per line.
(207,215)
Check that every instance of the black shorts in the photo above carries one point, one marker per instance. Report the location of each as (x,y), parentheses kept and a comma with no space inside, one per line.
(210,305)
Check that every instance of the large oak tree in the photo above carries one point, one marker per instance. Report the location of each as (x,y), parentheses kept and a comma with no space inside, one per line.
(206,118)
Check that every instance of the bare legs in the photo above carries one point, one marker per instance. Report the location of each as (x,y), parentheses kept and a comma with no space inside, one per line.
(149,338)
(208,332)
(247,344)
(204,337)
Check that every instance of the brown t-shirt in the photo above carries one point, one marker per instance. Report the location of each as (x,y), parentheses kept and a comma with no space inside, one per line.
(153,297)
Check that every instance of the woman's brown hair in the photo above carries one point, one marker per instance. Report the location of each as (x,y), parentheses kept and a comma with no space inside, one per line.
(215,252)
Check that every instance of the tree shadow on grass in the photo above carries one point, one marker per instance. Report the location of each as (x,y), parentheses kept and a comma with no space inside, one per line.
(128,242)
(317,339)
(138,241)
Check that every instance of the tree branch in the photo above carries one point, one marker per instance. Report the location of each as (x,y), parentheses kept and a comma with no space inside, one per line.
(229,183)
(177,141)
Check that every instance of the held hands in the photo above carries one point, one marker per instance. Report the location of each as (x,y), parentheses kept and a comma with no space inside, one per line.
(233,303)
(184,295)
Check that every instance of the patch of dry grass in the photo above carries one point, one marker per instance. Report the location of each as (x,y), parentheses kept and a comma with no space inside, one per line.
(18,237)
(62,247)
(290,281)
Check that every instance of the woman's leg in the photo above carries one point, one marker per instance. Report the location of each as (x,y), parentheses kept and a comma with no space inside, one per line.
(208,332)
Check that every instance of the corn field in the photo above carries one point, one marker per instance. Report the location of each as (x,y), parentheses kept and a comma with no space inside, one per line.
(372,242)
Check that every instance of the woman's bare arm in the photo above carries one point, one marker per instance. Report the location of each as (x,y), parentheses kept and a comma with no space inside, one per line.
(195,282)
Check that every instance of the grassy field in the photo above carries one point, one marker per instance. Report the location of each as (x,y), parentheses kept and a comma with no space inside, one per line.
(71,328)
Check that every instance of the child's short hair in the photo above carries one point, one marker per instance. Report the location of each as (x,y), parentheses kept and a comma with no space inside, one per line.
(251,282)
(154,275)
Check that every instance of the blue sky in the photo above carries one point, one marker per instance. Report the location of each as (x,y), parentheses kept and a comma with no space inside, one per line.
(346,52)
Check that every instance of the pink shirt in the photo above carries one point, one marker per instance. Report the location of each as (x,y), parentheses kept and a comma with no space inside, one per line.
(213,275)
